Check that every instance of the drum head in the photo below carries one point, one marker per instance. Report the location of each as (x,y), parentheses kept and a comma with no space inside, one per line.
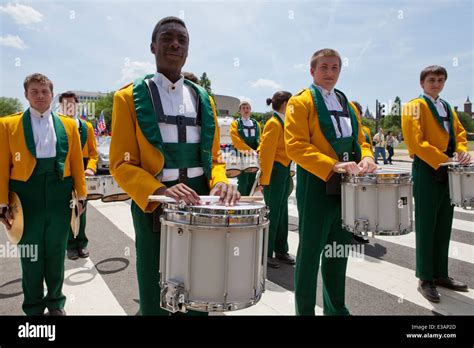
(16,232)
(233,173)
(251,169)
(75,220)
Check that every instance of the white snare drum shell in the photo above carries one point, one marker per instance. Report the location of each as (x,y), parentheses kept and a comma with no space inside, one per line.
(461,186)
(112,191)
(94,187)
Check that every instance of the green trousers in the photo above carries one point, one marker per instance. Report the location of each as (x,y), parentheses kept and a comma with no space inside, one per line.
(320,236)
(245,182)
(276,198)
(147,244)
(45,200)
(433,222)
(81,240)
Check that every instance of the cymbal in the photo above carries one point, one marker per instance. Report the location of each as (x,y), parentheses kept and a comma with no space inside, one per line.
(16,232)
(75,220)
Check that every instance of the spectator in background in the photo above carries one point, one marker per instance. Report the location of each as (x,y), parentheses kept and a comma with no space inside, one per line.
(392,142)
(379,142)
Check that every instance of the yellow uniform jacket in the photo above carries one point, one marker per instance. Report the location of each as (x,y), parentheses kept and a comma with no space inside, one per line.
(305,142)
(272,149)
(135,162)
(237,141)
(425,137)
(89,150)
(17,161)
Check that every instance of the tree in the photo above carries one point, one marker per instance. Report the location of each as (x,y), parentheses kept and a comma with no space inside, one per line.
(205,82)
(396,107)
(9,106)
(105,104)
(466,121)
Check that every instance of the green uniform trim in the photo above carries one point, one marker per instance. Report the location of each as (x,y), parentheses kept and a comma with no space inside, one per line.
(149,126)
(250,141)
(339,145)
(83,133)
(182,155)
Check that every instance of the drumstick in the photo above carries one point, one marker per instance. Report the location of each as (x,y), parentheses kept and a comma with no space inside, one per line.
(343,171)
(444,164)
(205,199)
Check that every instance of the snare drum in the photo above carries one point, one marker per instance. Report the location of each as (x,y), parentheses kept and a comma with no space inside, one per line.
(380,203)
(95,190)
(250,163)
(233,166)
(212,258)
(461,185)
(112,191)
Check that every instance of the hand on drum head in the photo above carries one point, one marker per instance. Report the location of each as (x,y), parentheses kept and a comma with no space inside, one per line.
(367,165)
(89,172)
(181,193)
(229,195)
(346,167)
(462,157)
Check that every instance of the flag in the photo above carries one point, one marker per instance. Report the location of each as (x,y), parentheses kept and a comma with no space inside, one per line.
(83,114)
(101,126)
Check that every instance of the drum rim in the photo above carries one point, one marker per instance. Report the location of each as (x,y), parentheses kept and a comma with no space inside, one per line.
(461,169)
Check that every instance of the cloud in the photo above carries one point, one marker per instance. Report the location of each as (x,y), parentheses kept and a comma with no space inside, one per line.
(301,66)
(244,98)
(265,83)
(22,14)
(12,41)
(135,69)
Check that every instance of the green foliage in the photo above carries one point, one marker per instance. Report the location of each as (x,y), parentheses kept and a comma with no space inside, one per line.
(466,121)
(9,106)
(105,104)
(205,82)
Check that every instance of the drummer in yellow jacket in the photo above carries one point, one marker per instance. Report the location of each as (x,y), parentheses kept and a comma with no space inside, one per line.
(77,247)
(245,136)
(165,142)
(433,135)
(323,136)
(275,179)
(41,161)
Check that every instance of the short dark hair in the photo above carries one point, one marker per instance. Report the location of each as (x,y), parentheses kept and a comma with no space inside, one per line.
(166,20)
(278,99)
(68,94)
(358,106)
(37,77)
(191,77)
(433,69)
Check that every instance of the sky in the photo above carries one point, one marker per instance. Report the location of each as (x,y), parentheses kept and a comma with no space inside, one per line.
(249,49)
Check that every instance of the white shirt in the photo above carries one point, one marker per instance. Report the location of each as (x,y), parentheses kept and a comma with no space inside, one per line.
(43,133)
(332,104)
(441,110)
(249,123)
(177,99)
(282,116)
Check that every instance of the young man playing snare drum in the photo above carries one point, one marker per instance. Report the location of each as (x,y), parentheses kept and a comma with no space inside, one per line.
(165,142)
(323,137)
(433,135)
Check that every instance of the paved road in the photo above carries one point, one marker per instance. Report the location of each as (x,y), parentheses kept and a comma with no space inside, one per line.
(382,282)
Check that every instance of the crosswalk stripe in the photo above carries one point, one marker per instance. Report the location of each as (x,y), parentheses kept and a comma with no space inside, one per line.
(119,214)
(87,293)
(400,282)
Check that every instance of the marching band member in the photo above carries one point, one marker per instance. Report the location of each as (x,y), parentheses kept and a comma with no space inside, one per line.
(275,179)
(166,142)
(323,136)
(77,247)
(42,163)
(245,136)
(433,135)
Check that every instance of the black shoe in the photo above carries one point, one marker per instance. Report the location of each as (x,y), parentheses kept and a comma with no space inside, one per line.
(271,262)
(72,254)
(452,284)
(83,252)
(428,289)
(57,312)
(286,258)
(360,239)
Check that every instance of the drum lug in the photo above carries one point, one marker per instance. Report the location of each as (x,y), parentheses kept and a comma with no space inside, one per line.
(361,226)
(173,296)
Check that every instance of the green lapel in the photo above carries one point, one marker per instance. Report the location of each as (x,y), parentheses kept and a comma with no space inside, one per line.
(279,119)
(147,120)
(248,140)
(435,113)
(339,145)
(28,132)
(62,144)
(83,133)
